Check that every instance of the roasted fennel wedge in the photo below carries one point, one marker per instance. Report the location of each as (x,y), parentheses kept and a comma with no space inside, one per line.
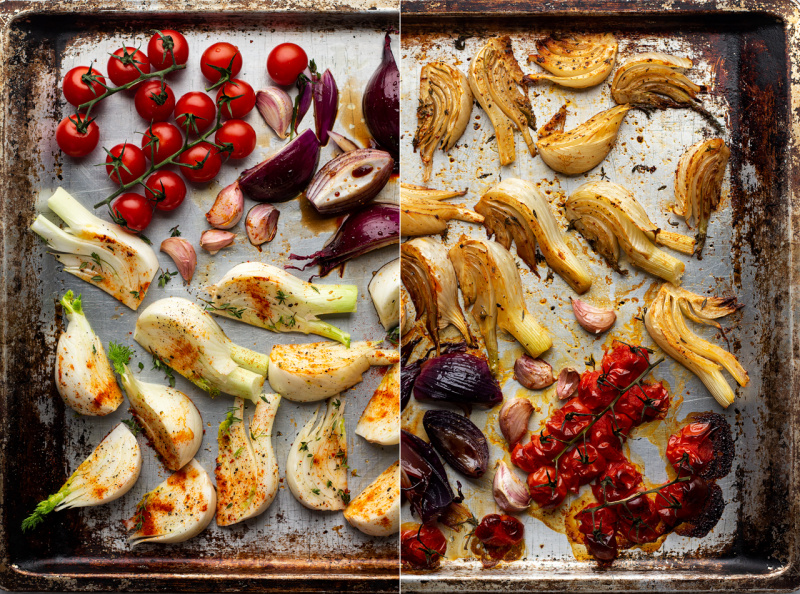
(492,290)
(316,469)
(445,103)
(379,421)
(376,510)
(98,252)
(185,337)
(609,216)
(514,210)
(318,370)
(666,323)
(422,211)
(176,510)
(577,61)
(247,470)
(84,378)
(107,474)
(266,296)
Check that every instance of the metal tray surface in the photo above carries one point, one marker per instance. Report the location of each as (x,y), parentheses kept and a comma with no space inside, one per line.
(750,255)
(289,546)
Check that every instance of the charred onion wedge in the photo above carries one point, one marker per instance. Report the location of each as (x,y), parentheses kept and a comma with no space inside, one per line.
(514,210)
(584,147)
(492,290)
(609,216)
(430,280)
(495,78)
(666,324)
(445,103)
(698,184)
(576,61)
(422,211)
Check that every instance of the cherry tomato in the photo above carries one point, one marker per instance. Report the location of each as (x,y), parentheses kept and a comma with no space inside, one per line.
(421,545)
(243,104)
(166,189)
(160,44)
(161,141)
(195,111)
(568,421)
(206,158)
(221,56)
(547,487)
(657,401)
(608,434)
(623,364)
(599,527)
(631,404)
(681,501)
(132,211)
(498,530)
(285,62)
(239,135)
(691,450)
(154,101)
(131,160)
(77,137)
(539,451)
(595,396)
(123,64)
(584,463)
(620,480)
(639,521)
(79,86)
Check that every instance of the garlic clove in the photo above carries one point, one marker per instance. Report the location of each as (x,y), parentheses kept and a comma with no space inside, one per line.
(593,319)
(213,240)
(228,208)
(261,223)
(534,374)
(568,382)
(510,494)
(514,417)
(275,106)
(183,254)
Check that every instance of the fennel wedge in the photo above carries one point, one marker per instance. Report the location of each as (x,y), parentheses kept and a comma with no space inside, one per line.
(576,61)
(422,211)
(384,289)
(376,510)
(379,423)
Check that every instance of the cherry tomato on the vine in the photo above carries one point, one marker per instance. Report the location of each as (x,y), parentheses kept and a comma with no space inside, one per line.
(161,141)
(82,84)
(680,501)
(499,530)
(154,101)
(77,137)
(599,527)
(206,158)
(160,44)
(166,189)
(691,450)
(584,463)
(132,163)
(196,112)
(132,211)
(244,102)
(620,480)
(239,135)
(285,62)
(568,421)
(547,487)
(123,65)
(220,56)
(421,546)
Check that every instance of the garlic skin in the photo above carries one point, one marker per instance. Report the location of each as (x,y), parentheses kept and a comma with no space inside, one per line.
(534,374)
(275,106)
(183,254)
(510,494)
(568,382)
(228,208)
(261,223)
(213,240)
(593,319)
(514,417)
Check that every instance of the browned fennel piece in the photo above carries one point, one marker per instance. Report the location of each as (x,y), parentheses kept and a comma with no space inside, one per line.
(422,211)
(577,61)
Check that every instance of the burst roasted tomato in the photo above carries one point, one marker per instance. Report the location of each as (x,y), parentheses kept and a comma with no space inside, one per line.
(547,487)
(691,450)
(624,363)
(632,404)
(681,501)
(568,421)
(584,463)
(498,530)
(620,480)
(599,527)
(639,521)
(608,434)
(539,451)
(421,545)
(595,396)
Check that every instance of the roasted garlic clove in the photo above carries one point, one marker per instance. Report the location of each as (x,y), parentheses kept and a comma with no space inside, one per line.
(514,417)
(510,493)
(228,208)
(534,374)
(591,318)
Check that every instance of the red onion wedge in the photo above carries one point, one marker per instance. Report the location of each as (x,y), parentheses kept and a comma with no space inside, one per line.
(303,100)
(326,104)
(381,102)
(350,180)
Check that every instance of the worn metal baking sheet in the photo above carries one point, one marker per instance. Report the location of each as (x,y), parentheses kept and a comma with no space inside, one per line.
(750,255)
(289,546)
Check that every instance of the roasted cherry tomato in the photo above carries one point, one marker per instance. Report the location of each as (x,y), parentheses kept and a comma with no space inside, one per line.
(154,101)
(599,527)
(595,396)
(691,449)
(76,137)
(166,189)
(126,65)
(421,545)
(639,521)
(623,364)
(632,404)
(82,84)
(196,112)
(206,162)
(218,57)
(238,138)
(584,463)
(499,530)
(240,99)
(609,433)
(160,44)
(547,487)
(539,451)
(681,501)
(620,480)
(132,211)
(161,141)
(132,163)
(568,421)
(657,401)
(285,62)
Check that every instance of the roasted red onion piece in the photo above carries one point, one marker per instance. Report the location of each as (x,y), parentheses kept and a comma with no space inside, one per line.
(326,104)
(423,479)
(342,142)
(458,440)
(303,100)
(350,180)
(381,102)
(460,378)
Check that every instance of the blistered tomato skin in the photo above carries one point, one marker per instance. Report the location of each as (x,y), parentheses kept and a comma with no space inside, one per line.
(547,487)
(500,530)
(569,421)
(599,527)
(421,546)
(691,450)
(618,481)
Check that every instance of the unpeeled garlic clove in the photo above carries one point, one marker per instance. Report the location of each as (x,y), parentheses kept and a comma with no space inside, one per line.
(261,223)
(593,319)
(228,207)
(510,494)
(568,382)
(534,374)
(514,417)
(183,254)
(213,240)
(275,106)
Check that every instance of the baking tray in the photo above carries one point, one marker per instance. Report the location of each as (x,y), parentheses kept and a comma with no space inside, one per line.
(743,51)
(286,548)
